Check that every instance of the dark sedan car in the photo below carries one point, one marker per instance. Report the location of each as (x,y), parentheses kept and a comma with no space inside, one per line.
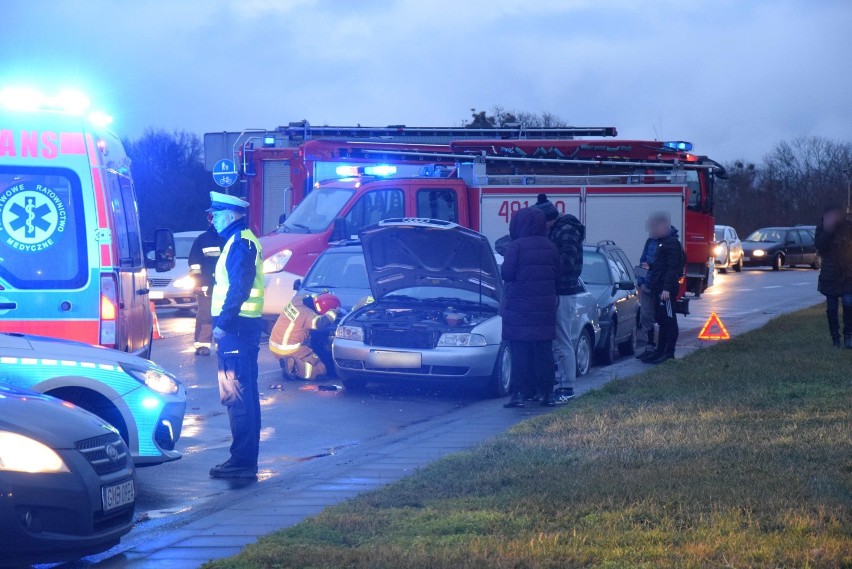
(609,277)
(66,481)
(778,247)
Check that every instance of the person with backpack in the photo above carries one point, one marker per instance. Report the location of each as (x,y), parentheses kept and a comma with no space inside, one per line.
(663,280)
(834,243)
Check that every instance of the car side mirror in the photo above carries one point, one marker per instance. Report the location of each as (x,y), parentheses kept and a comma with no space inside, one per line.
(625,285)
(160,253)
(297,284)
(339,231)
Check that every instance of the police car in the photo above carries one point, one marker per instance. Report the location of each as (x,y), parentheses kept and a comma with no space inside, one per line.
(72,262)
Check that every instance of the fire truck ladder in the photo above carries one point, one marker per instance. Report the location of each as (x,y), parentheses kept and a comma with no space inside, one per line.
(298,132)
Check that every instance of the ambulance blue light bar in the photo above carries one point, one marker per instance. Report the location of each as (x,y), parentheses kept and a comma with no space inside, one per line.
(380,170)
(679,145)
(68,101)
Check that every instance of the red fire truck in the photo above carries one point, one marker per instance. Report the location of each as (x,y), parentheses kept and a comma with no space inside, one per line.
(612,186)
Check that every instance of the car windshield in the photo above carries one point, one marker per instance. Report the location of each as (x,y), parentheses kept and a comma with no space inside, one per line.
(595,269)
(719,235)
(183,245)
(317,211)
(769,235)
(441,294)
(338,270)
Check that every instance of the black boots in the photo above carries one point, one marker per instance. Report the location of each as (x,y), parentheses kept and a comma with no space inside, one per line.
(548,400)
(516,402)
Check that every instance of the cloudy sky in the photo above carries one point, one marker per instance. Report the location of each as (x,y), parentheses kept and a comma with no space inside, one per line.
(733,76)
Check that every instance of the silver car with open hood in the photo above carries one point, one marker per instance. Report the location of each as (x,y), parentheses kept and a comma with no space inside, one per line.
(435,314)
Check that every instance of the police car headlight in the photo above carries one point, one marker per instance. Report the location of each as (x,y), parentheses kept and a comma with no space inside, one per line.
(465,340)
(277,262)
(186,283)
(155,379)
(23,454)
(353,333)
(759,253)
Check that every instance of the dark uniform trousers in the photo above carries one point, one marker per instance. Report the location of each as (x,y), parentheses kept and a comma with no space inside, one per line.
(203,320)
(669,330)
(238,353)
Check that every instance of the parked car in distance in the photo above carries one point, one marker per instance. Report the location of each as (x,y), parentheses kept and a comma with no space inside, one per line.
(728,250)
(176,288)
(67,485)
(340,270)
(778,247)
(144,403)
(608,276)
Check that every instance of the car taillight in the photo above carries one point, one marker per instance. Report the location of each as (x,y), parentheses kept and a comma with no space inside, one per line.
(109,310)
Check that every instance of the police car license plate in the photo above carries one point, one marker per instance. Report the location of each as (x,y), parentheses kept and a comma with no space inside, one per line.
(155,295)
(118,495)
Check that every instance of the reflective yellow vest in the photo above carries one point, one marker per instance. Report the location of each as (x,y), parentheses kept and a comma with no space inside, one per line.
(253,307)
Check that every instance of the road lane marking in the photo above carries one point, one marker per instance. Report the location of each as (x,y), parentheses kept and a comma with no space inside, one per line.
(743,289)
(801,284)
(774,286)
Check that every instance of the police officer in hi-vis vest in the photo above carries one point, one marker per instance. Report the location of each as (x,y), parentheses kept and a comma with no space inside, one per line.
(236,307)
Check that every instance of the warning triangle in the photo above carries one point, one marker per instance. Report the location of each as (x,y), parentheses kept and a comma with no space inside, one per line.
(714,329)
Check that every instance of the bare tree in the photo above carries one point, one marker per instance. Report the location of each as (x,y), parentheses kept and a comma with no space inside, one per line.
(500,117)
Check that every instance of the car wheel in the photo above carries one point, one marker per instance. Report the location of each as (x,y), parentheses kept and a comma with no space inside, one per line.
(500,383)
(724,268)
(778,262)
(355,384)
(584,353)
(739,266)
(628,347)
(608,352)
(817,264)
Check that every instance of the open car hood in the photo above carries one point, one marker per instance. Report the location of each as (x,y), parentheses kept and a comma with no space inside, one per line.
(413,253)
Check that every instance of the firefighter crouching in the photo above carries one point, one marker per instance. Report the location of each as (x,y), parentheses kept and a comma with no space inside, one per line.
(291,337)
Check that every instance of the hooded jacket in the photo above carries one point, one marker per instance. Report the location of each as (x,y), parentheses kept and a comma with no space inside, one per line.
(530,268)
(568,235)
(667,265)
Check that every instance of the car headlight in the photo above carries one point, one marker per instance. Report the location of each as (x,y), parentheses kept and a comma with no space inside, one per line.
(759,253)
(354,333)
(277,262)
(23,454)
(463,340)
(186,283)
(156,380)
(718,249)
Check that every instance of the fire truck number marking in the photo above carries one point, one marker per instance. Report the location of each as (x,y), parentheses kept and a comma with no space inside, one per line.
(507,208)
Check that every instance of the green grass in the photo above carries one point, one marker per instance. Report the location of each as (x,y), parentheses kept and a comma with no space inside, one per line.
(739,455)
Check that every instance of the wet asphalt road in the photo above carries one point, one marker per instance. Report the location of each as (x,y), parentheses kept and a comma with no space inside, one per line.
(306,422)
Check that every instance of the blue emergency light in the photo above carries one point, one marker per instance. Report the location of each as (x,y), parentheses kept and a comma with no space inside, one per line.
(268,141)
(679,145)
(68,101)
(380,170)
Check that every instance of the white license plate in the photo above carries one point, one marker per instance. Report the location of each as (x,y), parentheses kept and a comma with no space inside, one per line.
(156,295)
(118,495)
(746,258)
(378,359)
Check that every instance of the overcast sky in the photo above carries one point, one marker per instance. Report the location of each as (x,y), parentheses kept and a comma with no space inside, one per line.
(733,76)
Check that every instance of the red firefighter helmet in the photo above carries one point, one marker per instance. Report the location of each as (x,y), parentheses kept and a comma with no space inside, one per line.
(325,302)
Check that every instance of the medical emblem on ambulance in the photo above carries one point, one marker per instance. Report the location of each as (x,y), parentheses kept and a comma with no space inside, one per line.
(31,215)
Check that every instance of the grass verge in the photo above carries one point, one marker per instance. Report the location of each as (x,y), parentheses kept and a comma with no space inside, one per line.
(739,455)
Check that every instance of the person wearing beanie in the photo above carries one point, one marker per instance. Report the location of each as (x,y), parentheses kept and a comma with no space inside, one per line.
(568,234)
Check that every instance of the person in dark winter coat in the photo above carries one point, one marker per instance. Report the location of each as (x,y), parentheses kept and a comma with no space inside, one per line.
(568,234)
(203,257)
(834,243)
(663,280)
(647,299)
(530,268)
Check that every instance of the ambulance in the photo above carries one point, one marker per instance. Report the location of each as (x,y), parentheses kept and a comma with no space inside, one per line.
(72,261)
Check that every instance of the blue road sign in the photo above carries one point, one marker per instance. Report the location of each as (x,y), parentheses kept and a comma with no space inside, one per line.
(225,173)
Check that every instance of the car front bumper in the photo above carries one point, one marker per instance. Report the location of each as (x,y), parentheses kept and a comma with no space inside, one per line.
(48,518)
(158,421)
(358,360)
(172,297)
(750,260)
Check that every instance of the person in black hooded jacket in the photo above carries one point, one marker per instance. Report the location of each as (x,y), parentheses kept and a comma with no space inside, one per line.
(530,267)
(834,243)
(664,281)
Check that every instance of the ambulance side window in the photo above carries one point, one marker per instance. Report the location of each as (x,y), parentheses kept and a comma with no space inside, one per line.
(438,204)
(125,220)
